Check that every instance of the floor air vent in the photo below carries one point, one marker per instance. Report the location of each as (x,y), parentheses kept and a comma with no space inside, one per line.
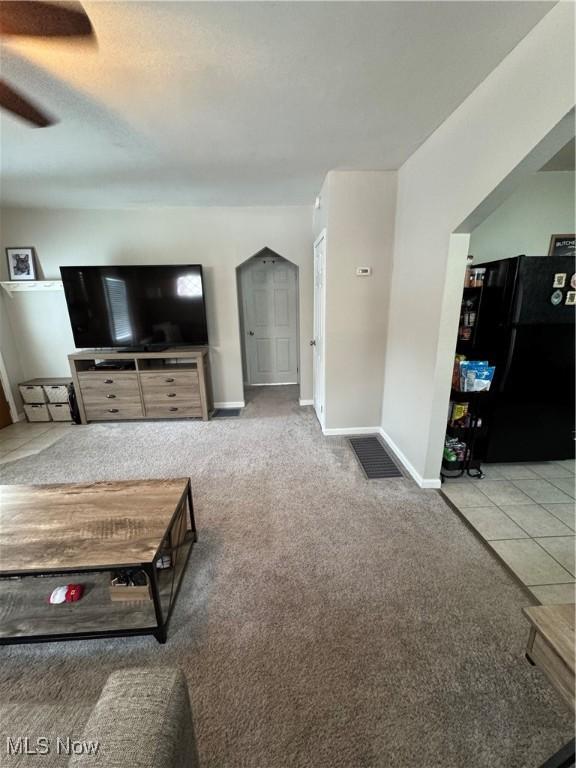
(373,458)
(226,413)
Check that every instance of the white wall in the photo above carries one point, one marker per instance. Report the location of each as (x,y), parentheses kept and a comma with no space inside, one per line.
(542,205)
(218,238)
(446,179)
(357,210)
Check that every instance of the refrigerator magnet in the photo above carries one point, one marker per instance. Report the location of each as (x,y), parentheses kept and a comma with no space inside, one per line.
(557,297)
(571,297)
(559,280)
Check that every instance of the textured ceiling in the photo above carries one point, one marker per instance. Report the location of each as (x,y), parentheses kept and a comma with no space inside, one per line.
(242,103)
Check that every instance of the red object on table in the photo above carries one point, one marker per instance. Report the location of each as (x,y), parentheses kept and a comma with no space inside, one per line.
(74,592)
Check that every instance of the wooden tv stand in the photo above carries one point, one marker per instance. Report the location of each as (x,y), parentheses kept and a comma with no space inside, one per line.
(173,384)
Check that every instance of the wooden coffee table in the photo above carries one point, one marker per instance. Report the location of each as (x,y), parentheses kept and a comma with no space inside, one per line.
(127,543)
(551,647)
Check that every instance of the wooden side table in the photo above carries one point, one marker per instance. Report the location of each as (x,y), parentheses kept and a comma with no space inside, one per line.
(551,647)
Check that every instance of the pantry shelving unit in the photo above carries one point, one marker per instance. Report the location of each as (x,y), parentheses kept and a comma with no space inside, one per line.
(471,434)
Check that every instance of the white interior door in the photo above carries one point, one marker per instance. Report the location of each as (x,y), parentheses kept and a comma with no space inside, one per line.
(270,302)
(319,315)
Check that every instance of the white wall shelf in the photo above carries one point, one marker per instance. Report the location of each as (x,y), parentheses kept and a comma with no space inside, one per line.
(17,286)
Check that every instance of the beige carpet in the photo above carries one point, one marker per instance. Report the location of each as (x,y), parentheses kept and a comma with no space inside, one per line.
(325,621)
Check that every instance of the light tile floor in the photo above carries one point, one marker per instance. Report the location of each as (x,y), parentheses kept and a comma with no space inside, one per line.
(526,513)
(23,439)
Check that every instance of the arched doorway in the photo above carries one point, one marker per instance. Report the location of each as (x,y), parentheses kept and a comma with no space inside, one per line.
(268,303)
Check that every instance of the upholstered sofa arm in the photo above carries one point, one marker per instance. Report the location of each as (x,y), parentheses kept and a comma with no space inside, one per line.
(141,720)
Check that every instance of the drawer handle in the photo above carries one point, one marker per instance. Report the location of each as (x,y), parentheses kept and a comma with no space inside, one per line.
(169,381)
(108,381)
(110,397)
(112,410)
(173,409)
(171,394)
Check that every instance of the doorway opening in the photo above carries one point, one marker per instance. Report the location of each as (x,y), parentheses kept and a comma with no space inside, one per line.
(512,389)
(5,414)
(319,323)
(8,412)
(517,218)
(510,332)
(269,326)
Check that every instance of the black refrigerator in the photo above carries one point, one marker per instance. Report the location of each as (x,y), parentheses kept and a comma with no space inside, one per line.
(525,327)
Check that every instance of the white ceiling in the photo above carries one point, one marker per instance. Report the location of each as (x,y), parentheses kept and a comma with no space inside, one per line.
(242,103)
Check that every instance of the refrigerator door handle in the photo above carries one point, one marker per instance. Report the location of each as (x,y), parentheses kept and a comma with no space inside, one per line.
(509,359)
(518,293)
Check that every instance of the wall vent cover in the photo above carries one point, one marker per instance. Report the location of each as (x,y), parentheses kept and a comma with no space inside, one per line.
(225,413)
(373,458)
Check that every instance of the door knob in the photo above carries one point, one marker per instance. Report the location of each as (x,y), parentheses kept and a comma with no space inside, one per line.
(313,343)
(250,333)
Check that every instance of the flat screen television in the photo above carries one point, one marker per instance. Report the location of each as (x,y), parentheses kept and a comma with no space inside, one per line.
(136,307)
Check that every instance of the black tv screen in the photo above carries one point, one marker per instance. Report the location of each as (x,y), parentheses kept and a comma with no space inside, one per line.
(138,306)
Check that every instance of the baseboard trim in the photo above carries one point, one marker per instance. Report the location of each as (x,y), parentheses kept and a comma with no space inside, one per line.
(423,482)
(306,402)
(231,404)
(332,431)
(274,384)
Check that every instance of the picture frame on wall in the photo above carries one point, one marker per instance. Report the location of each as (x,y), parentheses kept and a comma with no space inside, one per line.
(562,245)
(21,264)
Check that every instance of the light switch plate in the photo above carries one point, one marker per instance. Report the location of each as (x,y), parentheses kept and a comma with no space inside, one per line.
(363,271)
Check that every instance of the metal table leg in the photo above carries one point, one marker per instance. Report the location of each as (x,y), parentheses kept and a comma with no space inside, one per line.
(564,758)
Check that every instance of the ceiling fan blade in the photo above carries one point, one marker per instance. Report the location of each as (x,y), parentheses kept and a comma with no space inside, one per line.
(37,19)
(19,105)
